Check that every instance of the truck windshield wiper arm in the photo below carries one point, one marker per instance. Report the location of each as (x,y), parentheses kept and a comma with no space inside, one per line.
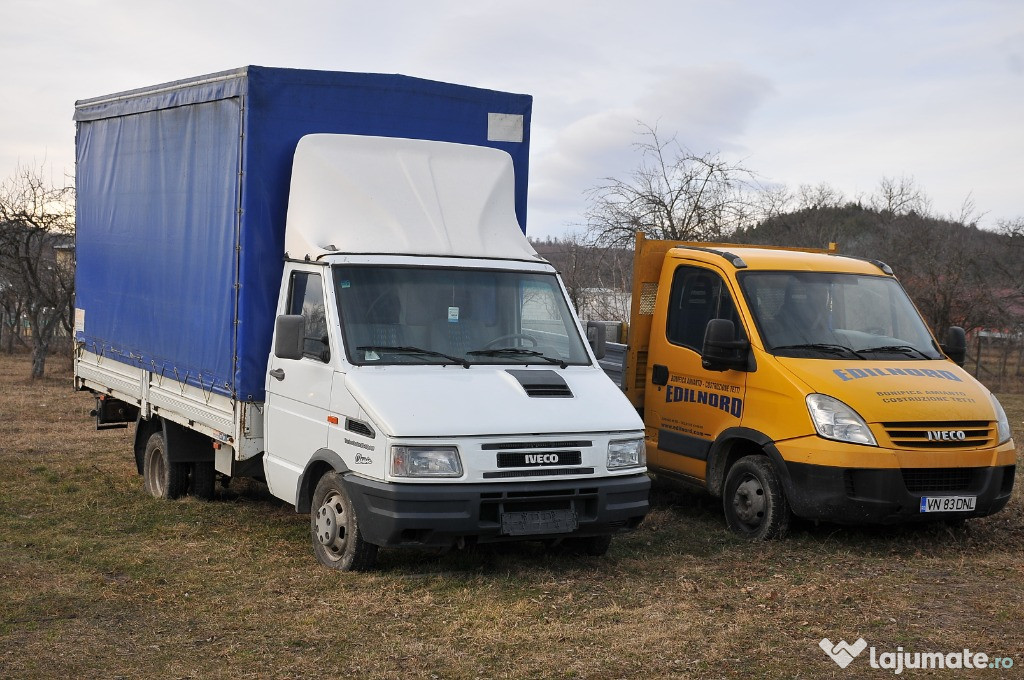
(518,352)
(901,349)
(823,347)
(406,349)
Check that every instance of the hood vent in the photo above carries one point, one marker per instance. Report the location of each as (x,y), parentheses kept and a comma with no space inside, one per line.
(542,383)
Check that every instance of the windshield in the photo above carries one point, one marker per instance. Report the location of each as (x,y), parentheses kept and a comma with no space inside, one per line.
(423,315)
(827,315)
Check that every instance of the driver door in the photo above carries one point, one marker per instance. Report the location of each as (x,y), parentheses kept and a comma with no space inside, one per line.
(688,404)
(299,391)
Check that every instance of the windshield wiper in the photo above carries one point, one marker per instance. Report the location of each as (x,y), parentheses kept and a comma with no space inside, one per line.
(823,347)
(405,349)
(900,349)
(518,352)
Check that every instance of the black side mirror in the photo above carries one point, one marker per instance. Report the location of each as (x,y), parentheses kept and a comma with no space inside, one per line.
(722,351)
(955,346)
(597,337)
(289,336)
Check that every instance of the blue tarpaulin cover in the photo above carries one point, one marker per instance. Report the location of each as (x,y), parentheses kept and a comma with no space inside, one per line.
(182,196)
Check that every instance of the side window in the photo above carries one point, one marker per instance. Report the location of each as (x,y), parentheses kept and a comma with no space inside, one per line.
(697,296)
(307,298)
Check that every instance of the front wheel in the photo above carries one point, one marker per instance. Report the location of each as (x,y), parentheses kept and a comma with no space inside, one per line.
(337,541)
(755,505)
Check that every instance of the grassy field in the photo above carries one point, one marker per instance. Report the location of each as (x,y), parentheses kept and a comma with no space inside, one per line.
(99,580)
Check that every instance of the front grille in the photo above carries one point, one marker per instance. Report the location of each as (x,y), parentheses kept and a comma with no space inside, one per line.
(963,434)
(539,459)
(568,444)
(935,480)
(536,459)
(539,472)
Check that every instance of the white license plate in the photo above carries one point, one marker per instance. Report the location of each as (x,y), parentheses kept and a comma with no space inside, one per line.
(948,503)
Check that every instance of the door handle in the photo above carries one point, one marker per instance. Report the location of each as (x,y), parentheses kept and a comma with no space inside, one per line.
(659,374)
(277,373)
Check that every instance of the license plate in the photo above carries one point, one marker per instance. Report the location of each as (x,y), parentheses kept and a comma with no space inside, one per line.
(948,503)
(538,522)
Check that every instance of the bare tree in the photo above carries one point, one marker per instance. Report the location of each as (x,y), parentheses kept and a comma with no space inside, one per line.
(674,194)
(819,196)
(36,260)
(900,196)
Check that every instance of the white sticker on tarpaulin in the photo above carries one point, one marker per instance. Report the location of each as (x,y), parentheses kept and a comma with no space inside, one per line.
(504,127)
(453,315)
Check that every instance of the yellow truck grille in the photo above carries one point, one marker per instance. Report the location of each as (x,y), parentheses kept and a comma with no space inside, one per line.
(963,434)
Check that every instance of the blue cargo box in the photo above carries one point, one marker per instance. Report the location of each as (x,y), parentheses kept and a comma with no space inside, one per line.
(183,192)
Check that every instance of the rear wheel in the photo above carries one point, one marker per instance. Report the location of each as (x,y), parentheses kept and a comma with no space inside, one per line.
(161,477)
(204,481)
(337,541)
(755,505)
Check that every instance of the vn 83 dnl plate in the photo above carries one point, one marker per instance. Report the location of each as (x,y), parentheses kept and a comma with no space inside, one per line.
(949,503)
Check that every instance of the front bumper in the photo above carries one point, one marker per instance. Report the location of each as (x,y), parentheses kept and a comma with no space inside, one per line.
(891,495)
(442,515)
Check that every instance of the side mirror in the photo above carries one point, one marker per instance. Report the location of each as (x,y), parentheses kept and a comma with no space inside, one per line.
(289,336)
(722,351)
(955,346)
(597,337)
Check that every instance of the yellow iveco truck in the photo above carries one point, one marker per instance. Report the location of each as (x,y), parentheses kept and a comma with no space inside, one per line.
(803,382)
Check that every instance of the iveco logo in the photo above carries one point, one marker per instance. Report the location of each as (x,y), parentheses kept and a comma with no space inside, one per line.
(946,435)
(541,458)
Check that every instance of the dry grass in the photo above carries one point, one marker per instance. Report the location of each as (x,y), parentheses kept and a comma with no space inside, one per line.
(99,580)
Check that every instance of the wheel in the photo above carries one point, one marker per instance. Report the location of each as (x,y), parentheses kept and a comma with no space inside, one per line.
(203,481)
(161,477)
(337,541)
(519,337)
(755,506)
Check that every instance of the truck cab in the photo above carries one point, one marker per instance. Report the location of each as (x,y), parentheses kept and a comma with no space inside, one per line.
(429,384)
(794,382)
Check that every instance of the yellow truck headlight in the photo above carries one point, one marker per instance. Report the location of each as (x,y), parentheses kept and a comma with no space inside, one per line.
(1002,422)
(425,461)
(835,420)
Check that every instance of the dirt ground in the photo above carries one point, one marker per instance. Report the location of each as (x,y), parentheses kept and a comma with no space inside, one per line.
(98,580)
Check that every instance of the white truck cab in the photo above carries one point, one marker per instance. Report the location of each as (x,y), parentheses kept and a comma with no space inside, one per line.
(429,384)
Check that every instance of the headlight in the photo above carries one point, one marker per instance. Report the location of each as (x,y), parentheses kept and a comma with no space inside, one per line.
(1002,422)
(626,453)
(425,461)
(835,420)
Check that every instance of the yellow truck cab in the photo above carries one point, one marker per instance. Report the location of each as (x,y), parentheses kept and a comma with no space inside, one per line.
(797,382)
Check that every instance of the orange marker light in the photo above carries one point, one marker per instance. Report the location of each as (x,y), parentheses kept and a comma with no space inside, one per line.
(333,420)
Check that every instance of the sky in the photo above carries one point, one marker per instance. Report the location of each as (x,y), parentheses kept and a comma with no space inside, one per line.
(800,92)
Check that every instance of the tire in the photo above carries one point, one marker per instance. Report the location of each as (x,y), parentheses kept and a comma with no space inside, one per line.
(334,527)
(755,505)
(203,481)
(161,477)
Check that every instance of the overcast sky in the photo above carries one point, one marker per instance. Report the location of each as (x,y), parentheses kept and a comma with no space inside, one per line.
(800,92)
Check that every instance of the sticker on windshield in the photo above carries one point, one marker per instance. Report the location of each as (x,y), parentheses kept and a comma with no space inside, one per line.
(453,315)
(345,283)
